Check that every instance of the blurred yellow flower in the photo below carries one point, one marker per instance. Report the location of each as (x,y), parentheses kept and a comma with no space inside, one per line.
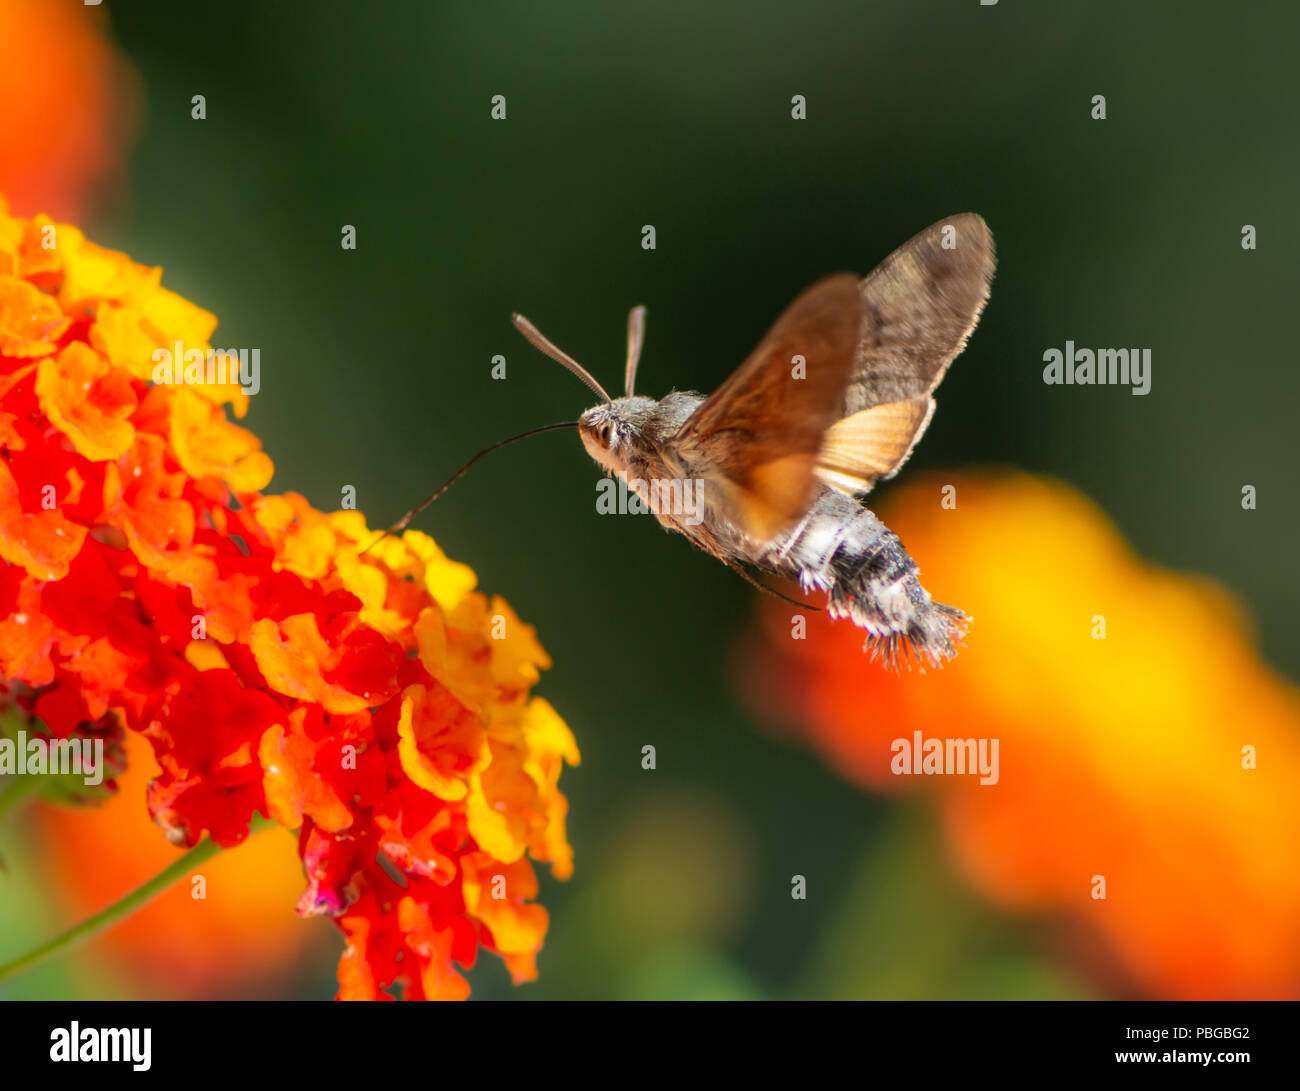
(1142,738)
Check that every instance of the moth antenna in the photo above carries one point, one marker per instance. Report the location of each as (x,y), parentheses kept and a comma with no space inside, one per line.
(635,338)
(541,342)
(401,524)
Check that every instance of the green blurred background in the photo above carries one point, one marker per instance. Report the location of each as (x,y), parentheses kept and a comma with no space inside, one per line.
(376,367)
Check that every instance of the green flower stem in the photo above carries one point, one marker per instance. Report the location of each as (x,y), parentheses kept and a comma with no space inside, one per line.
(13,793)
(16,791)
(200,854)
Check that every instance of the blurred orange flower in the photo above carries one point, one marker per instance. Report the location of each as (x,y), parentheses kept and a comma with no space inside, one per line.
(1131,708)
(369,698)
(241,933)
(67,105)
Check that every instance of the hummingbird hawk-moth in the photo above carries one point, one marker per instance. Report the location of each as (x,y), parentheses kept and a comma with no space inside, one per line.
(832,400)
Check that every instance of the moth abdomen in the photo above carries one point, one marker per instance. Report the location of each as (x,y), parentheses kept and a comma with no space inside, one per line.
(842,548)
(878,587)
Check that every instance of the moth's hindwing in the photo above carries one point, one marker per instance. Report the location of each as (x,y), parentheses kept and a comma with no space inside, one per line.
(872,443)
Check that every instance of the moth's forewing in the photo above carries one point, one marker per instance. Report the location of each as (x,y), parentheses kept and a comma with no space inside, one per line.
(919,307)
(874,355)
(759,433)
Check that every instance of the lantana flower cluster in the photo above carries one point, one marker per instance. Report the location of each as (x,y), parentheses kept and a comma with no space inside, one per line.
(371,699)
